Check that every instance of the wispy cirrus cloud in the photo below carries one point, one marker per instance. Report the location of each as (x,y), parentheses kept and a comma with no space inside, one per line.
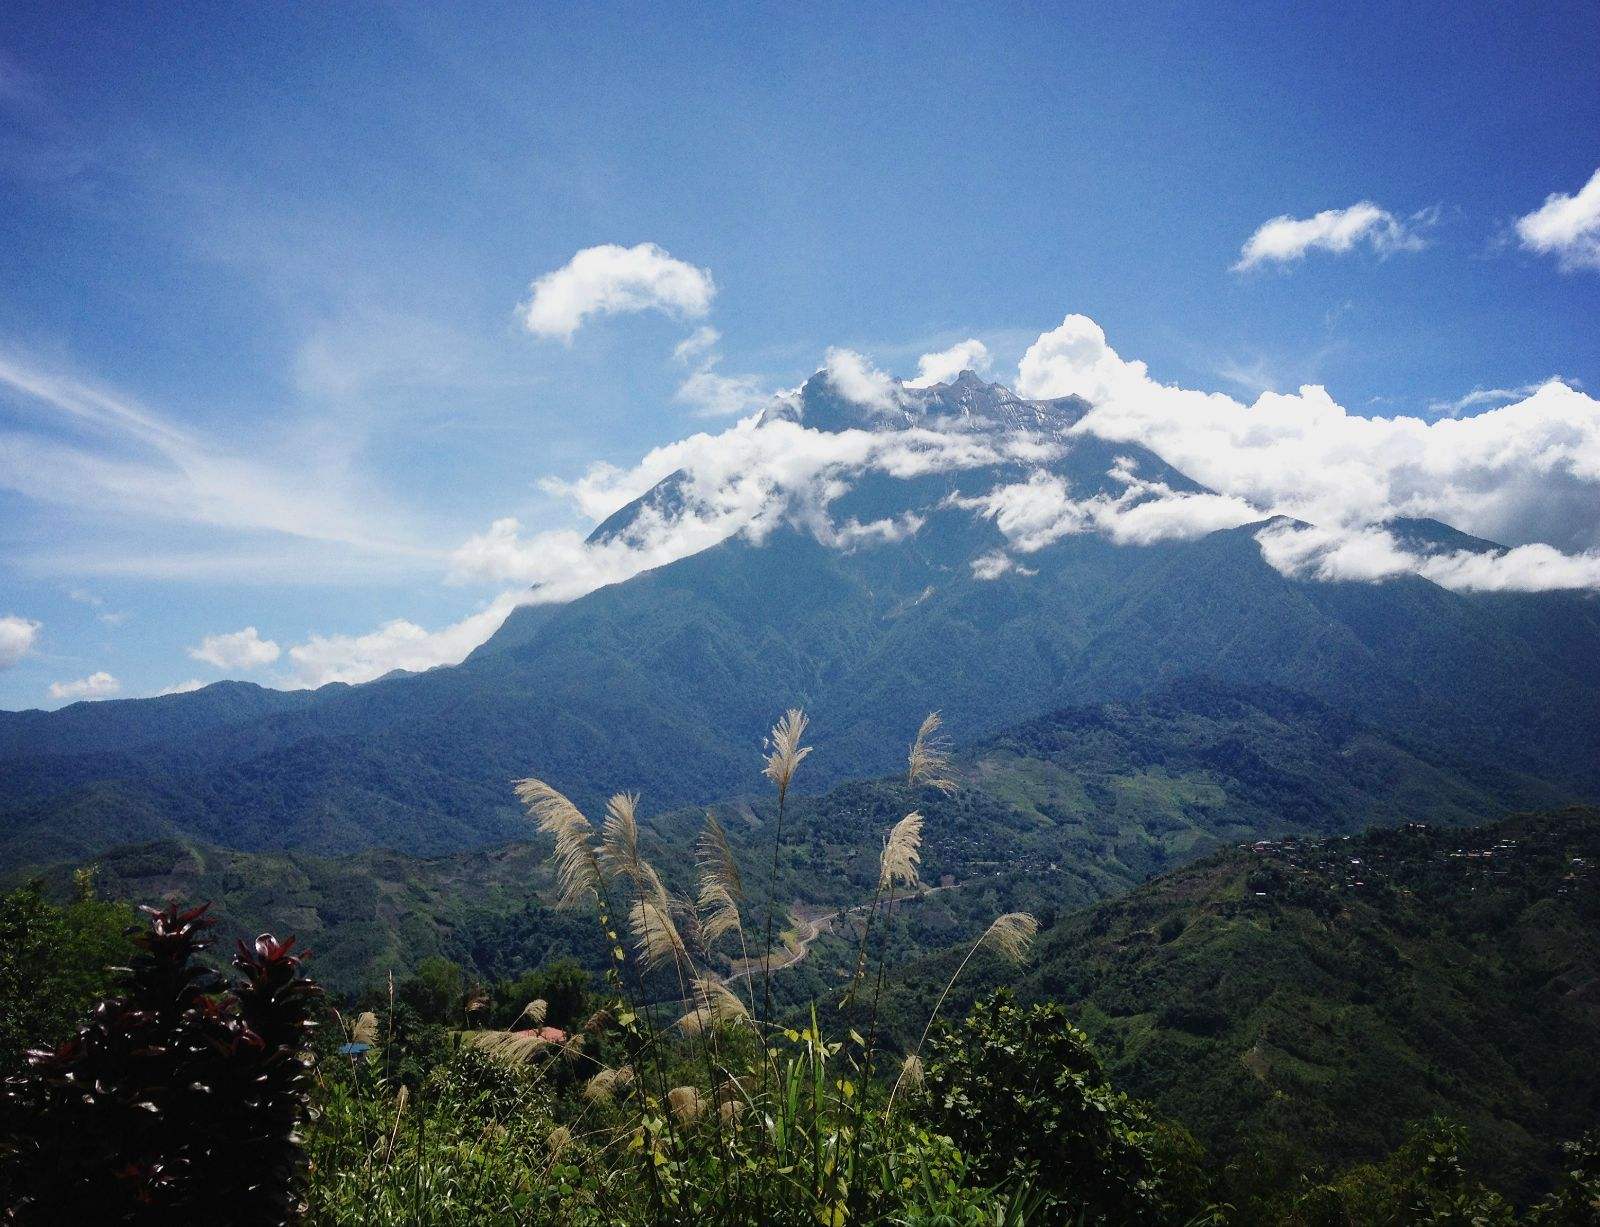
(91,449)
(1286,239)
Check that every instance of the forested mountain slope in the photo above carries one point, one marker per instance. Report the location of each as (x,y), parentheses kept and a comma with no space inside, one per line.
(1055,814)
(1308,999)
(662,683)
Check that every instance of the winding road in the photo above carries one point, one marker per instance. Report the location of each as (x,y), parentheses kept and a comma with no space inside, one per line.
(814,928)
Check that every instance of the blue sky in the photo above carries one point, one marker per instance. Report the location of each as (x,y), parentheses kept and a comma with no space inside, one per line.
(282,249)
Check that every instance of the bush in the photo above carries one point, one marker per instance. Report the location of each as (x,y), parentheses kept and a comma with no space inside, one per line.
(175,1101)
(1021,1092)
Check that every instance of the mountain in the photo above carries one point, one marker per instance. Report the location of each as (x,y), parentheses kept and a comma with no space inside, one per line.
(1060,812)
(1305,1000)
(663,683)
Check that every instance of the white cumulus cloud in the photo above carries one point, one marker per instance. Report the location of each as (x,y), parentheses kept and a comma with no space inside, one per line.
(1373,553)
(857,380)
(1041,510)
(1567,227)
(244,649)
(610,279)
(397,644)
(1524,472)
(943,366)
(17,637)
(95,686)
(1285,239)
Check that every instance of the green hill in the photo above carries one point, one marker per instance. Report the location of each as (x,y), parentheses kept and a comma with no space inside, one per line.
(1053,815)
(1305,1000)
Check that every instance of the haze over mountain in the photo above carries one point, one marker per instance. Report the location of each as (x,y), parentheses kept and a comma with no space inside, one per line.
(954,547)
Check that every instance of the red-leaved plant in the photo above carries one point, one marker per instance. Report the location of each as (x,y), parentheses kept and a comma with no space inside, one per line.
(177,1101)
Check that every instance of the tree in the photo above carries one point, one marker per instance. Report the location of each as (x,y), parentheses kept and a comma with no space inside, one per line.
(54,963)
(1021,1091)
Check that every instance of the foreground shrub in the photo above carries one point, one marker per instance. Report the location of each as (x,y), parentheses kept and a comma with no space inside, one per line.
(176,1102)
(1021,1090)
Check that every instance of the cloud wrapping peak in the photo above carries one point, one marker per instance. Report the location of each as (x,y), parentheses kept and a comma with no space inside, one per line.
(1041,510)
(1567,227)
(943,366)
(859,382)
(1369,554)
(244,649)
(96,686)
(17,637)
(608,280)
(1526,471)
(1285,239)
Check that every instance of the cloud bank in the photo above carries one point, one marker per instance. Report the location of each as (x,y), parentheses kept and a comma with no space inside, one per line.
(398,644)
(608,280)
(1520,473)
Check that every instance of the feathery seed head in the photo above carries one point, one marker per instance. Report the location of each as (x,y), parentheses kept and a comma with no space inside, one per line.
(534,1011)
(619,837)
(577,869)
(714,858)
(1011,935)
(715,1004)
(603,1087)
(928,764)
(686,1102)
(365,1030)
(911,1072)
(786,751)
(902,852)
(655,937)
(559,1140)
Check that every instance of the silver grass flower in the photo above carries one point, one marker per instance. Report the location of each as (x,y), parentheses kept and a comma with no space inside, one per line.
(535,1011)
(686,1102)
(928,764)
(714,858)
(715,1005)
(577,868)
(1010,936)
(603,1087)
(902,853)
(911,1073)
(365,1030)
(786,752)
(655,936)
(619,838)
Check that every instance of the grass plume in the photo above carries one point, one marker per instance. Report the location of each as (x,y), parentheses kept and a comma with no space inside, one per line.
(928,763)
(578,876)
